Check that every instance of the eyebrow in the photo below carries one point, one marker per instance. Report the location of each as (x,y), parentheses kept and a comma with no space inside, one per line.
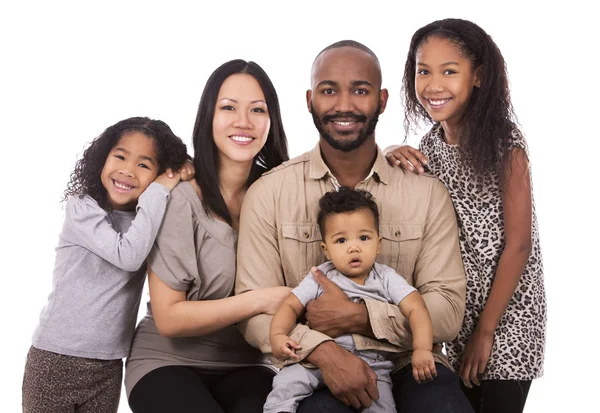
(147,158)
(443,64)
(354,83)
(235,101)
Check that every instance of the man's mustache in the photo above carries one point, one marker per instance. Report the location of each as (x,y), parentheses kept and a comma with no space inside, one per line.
(344,115)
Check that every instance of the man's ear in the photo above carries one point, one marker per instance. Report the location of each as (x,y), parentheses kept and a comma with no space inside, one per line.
(308,99)
(324,248)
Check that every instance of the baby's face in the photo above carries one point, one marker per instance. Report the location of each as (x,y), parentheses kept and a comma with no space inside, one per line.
(351,242)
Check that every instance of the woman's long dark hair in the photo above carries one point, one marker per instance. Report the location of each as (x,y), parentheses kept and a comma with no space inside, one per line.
(205,151)
(171,152)
(489,119)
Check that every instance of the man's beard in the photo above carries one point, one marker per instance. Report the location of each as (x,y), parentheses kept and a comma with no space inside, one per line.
(346,145)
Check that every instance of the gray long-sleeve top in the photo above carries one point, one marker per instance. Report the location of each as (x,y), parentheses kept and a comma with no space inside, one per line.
(98,277)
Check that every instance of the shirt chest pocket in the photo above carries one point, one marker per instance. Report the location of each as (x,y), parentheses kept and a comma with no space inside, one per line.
(401,242)
(300,249)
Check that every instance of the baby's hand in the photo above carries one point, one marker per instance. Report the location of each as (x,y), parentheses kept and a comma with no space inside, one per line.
(406,157)
(166,180)
(284,347)
(187,171)
(423,365)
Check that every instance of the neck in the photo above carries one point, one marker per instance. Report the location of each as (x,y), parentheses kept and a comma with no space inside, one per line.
(350,168)
(451,132)
(233,177)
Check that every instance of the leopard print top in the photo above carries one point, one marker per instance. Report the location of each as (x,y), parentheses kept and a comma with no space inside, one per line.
(519,342)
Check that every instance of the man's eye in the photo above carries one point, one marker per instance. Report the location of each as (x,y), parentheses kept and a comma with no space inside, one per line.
(328,91)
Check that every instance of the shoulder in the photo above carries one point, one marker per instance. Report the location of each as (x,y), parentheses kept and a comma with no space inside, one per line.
(382,271)
(83,205)
(288,173)
(291,166)
(430,137)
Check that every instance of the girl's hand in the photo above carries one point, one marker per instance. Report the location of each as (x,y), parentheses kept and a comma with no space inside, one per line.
(270,298)
(168,179)
(475,357)
(406,157)
(423,365)
(284,348)
(187,171)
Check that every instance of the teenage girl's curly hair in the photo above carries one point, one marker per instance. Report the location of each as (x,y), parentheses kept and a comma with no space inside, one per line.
(489,117)
(171,152)
(346,200)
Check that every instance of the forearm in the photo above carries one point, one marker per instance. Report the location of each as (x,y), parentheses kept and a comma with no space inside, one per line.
(508,274)
(283,321)
(422,330)
(197,318)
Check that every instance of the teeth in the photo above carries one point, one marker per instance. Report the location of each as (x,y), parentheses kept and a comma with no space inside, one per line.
(122,186)
(438,102)
(241,138)
(343,123)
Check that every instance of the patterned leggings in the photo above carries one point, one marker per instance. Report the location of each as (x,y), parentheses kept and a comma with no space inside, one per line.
(65,384)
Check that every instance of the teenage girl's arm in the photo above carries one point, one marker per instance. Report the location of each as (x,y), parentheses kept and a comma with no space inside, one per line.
(87,225)
(406,157)
(176,317)
(516,198)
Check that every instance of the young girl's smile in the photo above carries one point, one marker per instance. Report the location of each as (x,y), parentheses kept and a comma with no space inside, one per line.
(129,168)
(444,81)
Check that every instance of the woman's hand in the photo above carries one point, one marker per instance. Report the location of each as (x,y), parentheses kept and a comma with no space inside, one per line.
(406,157)
(270,298)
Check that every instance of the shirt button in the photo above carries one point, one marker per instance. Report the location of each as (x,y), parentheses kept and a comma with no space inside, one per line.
(306,235)
(397,234)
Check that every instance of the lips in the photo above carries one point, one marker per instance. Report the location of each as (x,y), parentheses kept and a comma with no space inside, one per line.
(438,103)
(121,186)
(355,262)
(241,139)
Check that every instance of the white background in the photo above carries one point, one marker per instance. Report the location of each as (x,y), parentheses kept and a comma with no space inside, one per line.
(69,70)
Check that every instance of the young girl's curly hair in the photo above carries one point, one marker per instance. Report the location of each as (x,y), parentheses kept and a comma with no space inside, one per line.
(171,152)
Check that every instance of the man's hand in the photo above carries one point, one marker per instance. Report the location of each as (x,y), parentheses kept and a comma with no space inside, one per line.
(348,377)
(333,313)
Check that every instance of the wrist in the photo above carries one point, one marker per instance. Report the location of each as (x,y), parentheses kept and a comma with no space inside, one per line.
(323,354)
(359,320)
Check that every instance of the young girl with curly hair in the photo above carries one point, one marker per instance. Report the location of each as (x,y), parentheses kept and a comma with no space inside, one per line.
(455,77)
(115,202)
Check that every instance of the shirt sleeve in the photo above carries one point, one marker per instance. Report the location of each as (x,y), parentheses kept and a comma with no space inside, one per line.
(307,290)
(259,266)
(88,225)
(173,258)
(439,277)
(395,284)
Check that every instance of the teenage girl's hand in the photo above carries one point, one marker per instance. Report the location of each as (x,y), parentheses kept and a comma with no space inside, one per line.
(284,348)
(168,179)
(187,171)
(270,298)
(406,157)
(423,365)
(475,357)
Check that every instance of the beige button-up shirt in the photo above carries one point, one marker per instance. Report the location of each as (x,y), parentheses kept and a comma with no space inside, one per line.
(279,242)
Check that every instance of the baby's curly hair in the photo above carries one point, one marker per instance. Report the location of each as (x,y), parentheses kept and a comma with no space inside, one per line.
(171,152)
(346,200)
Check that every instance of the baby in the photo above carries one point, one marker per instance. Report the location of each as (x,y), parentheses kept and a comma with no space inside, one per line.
(349,224)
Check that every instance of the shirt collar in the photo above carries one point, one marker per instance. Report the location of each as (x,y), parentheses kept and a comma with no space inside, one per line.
(318,169)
